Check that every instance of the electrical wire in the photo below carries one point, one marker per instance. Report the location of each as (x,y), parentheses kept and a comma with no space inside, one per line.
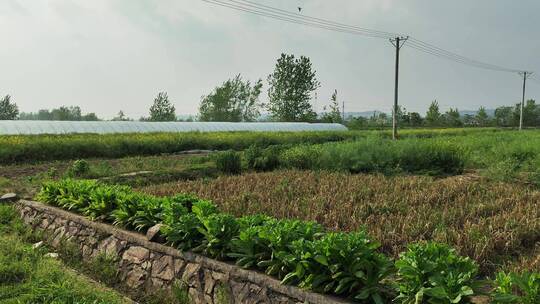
(419,45)
(533,78)
(314,19)
(283,17)
(439,52)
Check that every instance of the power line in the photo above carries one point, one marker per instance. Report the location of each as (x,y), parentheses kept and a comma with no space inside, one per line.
(328,22)
(419,45)
(533,78)
(436,51)
(287,18)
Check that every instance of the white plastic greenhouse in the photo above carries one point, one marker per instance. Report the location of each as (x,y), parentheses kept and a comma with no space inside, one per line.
(22,127)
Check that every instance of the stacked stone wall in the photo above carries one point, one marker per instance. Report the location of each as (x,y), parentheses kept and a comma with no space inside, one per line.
(146,267)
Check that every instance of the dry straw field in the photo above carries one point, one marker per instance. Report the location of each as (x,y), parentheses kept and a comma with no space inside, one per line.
(493,222)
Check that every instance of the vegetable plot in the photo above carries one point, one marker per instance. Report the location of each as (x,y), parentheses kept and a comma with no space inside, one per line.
(297,252)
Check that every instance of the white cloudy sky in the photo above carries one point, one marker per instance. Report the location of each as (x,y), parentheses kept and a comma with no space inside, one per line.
(111,55)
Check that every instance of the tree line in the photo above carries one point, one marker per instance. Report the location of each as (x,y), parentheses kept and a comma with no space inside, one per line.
(291,87)
(505,116)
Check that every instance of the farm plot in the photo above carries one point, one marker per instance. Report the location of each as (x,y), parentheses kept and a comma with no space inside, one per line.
(497,224)
(33,148)
(474,191)
(504,156)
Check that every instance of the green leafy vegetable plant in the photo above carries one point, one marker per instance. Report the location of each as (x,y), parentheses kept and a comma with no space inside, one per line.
(218,231)
(343,264)
(522,288)
(435,273)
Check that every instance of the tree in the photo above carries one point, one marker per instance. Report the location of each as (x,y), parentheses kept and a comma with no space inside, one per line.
(62,113)
(162,109)
(433,115)
(469,120)
(378,119)
(482,117)
(334,114)
(8,110)
(504,117)
(415,120)
(355,123)
(90,117)
(235,100)
(44,114)
(531,113)
(291,85)
(67,113)
(121,117)
(452,118)
(402,115)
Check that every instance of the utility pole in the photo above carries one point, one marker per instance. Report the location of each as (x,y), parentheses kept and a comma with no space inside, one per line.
(525,76)
(398,43)
(343,110)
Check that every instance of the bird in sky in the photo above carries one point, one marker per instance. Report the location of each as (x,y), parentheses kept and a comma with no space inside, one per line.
(299,9)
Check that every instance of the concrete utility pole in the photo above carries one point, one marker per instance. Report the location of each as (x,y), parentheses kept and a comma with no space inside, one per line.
(398,43)
(525,76)
(343,110)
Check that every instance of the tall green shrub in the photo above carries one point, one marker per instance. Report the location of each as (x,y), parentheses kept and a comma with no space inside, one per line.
(228,162)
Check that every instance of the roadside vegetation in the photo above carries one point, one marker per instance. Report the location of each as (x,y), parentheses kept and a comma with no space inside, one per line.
(28,276)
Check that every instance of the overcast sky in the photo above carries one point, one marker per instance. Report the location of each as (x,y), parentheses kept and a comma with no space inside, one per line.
(111,55)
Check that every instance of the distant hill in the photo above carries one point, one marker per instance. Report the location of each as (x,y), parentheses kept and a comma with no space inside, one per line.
(361,114)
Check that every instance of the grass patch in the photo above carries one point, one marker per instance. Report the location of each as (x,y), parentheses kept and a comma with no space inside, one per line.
(26,276)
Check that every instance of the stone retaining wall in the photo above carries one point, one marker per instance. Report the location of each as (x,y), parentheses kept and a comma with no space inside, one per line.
(147,267)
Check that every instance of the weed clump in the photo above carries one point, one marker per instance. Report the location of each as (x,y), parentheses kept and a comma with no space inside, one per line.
(228,162)
(79,168)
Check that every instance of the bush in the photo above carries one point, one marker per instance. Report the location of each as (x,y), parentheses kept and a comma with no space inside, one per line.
(228,162)
(79,168)
(260,159)
(301,157)
(517,288)
(435,273)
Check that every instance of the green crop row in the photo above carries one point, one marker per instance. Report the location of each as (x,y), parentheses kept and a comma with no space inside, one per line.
(75,146)
(372,154)
(31,148)
(297,252)
(504,155)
